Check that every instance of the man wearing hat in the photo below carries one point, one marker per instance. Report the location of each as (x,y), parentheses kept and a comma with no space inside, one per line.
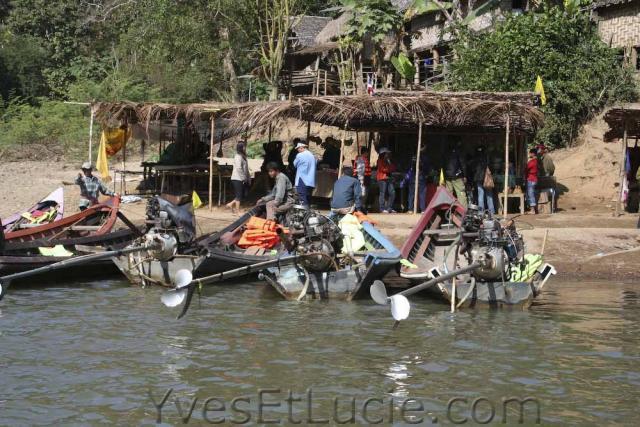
(305,164)
(347,193)
(90,187)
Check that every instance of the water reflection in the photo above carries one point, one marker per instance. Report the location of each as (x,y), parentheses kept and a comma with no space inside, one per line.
(90,353)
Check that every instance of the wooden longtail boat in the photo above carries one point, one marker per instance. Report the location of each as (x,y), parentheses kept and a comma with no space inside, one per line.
(431,249)
(94,221)
(29,217)
(86,232)
(296,283)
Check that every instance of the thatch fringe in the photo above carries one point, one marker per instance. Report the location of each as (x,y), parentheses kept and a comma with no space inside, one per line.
(389,110)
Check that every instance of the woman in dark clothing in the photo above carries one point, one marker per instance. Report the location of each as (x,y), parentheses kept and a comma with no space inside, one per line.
(272,153)
(481,166)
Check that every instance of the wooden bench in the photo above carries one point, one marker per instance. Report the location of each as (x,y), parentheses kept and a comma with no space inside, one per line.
(519,196)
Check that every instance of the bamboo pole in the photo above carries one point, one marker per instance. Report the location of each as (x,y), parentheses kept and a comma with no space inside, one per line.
(417,182)
(506,167)
(91,135)
(622,162)
(211,163)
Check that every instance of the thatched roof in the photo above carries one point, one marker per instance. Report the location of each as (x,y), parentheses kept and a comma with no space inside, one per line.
(334,29)
(599,4)
(147,111)
(306,28)
(397,111)
(616,118)
(388,111)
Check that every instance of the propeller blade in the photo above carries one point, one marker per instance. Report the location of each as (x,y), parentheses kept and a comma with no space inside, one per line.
(400,307)
(174,297)
(190,291)
(183,278)
(379,293)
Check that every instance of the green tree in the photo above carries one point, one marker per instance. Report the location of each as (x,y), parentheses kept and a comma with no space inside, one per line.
(580,73)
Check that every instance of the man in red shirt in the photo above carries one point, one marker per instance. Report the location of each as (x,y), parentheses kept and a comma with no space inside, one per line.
(532,181)
(385,181)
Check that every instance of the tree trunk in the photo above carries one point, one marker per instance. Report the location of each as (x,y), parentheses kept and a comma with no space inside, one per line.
(227,63)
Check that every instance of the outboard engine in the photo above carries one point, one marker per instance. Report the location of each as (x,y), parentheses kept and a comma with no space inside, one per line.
(496,246)
(169,227)
(312,232)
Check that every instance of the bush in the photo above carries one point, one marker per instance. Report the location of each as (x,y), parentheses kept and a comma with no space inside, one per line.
(48,129)
(580,73)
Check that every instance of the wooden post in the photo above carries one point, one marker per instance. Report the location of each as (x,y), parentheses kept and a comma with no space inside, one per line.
(622,162)
(123,175)
(91,135)
(211,163)
(506,166)
(416,185)
(344,135)
(308,131)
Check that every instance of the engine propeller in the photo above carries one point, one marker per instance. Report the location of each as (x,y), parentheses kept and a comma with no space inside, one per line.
(400,306)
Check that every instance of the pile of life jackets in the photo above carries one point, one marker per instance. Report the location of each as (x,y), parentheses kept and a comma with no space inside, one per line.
(40,217)
(261,233)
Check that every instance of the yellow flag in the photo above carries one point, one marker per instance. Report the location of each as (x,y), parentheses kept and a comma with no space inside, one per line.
(101,163)
(540,91)
(441,177)
(195,199)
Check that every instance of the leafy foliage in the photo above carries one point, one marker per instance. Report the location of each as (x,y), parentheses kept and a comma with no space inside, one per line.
(404,66)
(580,73)
(373,18)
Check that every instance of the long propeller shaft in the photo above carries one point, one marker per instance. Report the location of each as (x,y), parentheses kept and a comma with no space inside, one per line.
(440,279)
(79,260)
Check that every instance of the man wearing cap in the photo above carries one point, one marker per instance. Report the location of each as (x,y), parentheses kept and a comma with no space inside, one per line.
(90,187)
(305,164)
(347,193)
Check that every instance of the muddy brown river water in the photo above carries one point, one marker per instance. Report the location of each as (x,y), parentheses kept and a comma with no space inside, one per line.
(102,352)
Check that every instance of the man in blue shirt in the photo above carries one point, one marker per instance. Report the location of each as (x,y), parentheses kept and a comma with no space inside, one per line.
(347,193)
(305,164)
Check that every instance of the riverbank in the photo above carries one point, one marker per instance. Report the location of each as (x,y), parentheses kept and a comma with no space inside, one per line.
(576,234)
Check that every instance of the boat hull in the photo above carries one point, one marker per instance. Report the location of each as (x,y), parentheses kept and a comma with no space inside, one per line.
(294,283)
(144,271)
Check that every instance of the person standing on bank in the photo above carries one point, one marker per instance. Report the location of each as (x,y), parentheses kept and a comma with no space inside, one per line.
(240,177)
(532,181)
(548,167)
(291,158)
(90,187)
(385,168)
(280,199)
(480,180)
(362,171)
(305,164)
(455,180)
(347,193)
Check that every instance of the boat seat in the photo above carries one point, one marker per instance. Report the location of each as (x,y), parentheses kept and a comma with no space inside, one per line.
(85,227)
(29,225)
(254,251)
